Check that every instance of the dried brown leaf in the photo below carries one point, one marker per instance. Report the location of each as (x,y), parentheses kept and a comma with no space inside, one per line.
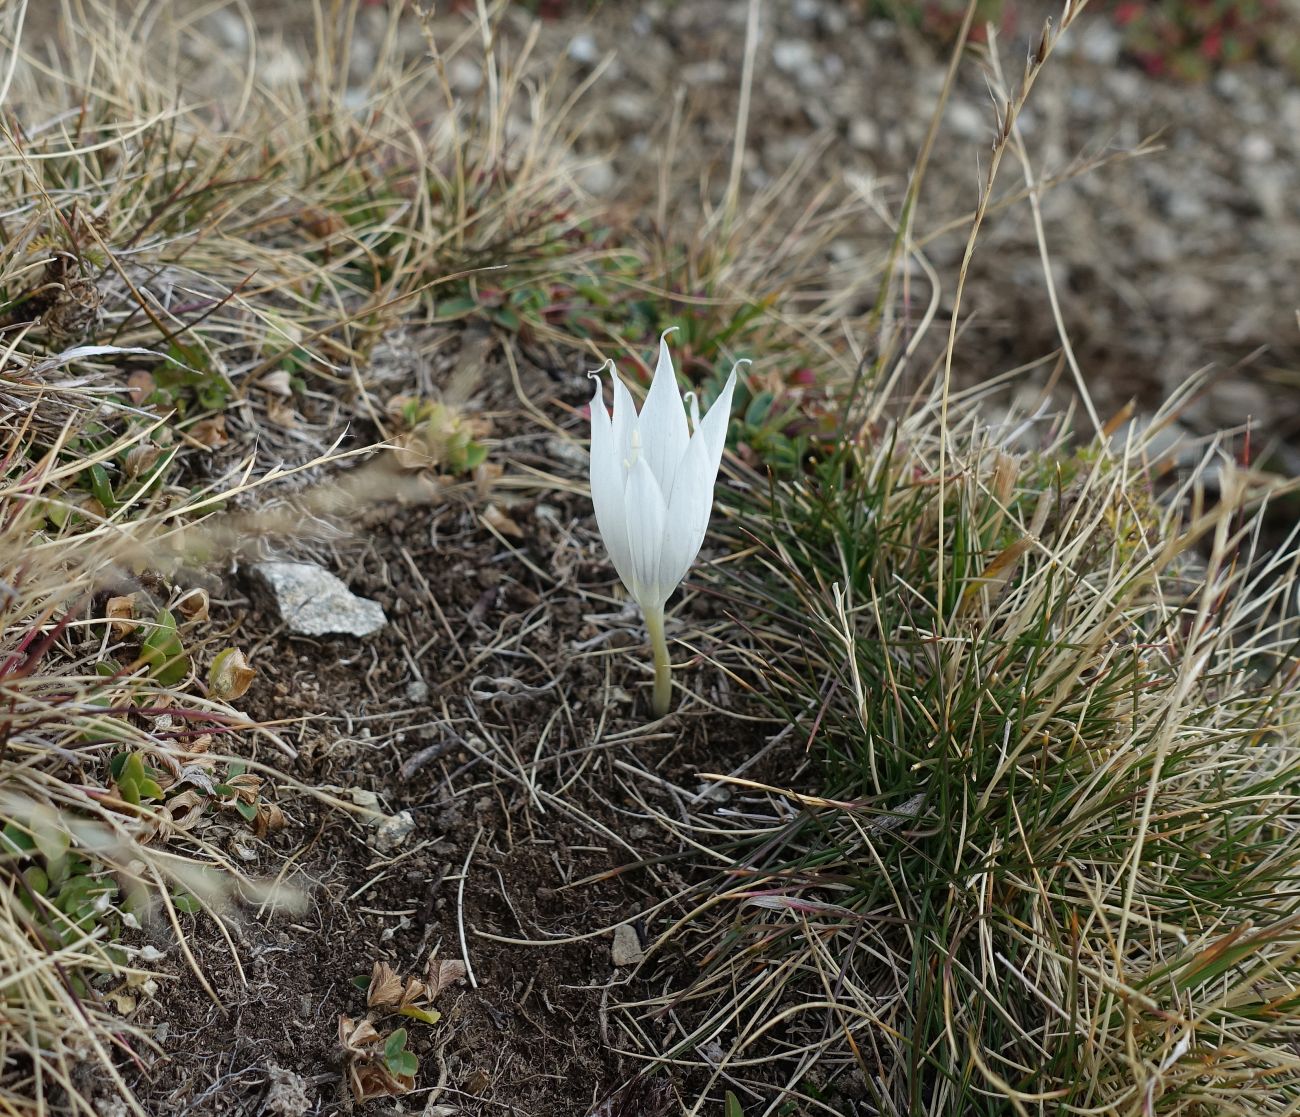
(230,675)
(385,987)
(120,612)
(358,1037)
(374,1080)
(193,605)
(495,518)
(442,973)
(210,432)
(268,819)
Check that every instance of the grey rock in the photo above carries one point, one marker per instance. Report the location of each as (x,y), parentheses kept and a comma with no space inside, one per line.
(863,134)
(1257,148)
(464,75)
(712,71)
(1100,43)
(626,950)
(393,831)
(597,177)
(287,1094)
(583,49)
(312,602)
(797,58)
(968,122)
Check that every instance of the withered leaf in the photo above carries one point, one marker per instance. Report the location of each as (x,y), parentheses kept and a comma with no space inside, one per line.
(193,605)
(374,1080)
(495,518)
(268,819)
(210,433)
(443,973)
(230,675)
(120,612)
(357,1037)
(385,987)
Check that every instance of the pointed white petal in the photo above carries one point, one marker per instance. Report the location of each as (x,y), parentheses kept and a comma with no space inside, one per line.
(625,420)
(692,498)
(608,481)
(688,516)
(646,514)
(663,423)
(713,427)
(694,402)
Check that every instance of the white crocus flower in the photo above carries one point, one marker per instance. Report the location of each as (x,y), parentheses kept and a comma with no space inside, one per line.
(652,485)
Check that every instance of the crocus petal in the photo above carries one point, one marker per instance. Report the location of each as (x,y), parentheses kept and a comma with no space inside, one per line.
(714,425)
(625,420)
(646,516)
(692,499)
(663,423)
(607,486)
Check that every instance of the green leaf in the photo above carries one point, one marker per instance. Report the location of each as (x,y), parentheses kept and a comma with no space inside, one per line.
(36,879)
(395,1044)
(13,839)
(507,319)
(102,487)
(404,1065)
(149,788)
(475,455)
(731,1107)
(759,408)
(247,810)
(163,652)
(456,307)
(361,981)
(428,1016)
(186,902)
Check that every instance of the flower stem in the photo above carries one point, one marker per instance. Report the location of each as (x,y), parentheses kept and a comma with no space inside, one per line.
(654,622)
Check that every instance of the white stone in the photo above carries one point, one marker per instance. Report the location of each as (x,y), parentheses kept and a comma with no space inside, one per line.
(968,122)
(312,602)
(464,75)
(795,57)
(712,71)
(597,178)
(626,950)
(583,49)
(393,831)
(863,134)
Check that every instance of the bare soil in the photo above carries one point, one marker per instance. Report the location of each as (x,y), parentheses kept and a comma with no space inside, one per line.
(519,756)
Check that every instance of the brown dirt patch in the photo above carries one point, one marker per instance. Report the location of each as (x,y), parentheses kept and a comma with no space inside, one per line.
(492,710)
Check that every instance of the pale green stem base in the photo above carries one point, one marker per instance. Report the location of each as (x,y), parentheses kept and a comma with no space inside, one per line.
(654,622)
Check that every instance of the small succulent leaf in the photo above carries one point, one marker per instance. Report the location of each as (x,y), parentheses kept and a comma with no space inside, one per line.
(162,650)
(395,1044)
